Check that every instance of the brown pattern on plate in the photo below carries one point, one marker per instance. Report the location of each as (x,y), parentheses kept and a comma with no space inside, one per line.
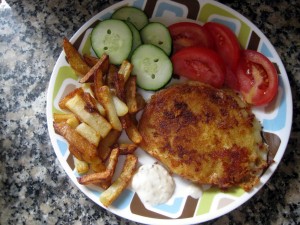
(137,207)
(193,7)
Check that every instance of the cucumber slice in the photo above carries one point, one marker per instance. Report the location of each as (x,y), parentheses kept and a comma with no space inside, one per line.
(152,67)
(134,15)
(114,38)
(136,38)
(157,34)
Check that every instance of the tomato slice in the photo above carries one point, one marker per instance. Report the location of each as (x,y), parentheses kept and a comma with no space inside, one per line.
(257,77)
(201,64)
(187,34)
(226,43)
(231,80)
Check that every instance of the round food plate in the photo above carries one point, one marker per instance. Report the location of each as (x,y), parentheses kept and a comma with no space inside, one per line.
(183,207)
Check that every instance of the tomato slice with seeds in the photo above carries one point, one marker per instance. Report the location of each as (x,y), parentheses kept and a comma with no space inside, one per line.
(187,34)
(201,64)
(226,43)
(258,78)
(228,47)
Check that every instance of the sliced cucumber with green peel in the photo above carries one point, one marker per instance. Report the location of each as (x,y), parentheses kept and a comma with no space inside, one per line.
(114,38)
(134,15)
(136,38)
(157,34)
(152,67)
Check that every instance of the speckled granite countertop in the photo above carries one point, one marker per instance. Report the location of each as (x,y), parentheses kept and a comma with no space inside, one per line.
(34,189)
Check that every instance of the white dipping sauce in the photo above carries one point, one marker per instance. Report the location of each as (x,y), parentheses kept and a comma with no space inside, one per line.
(153,184)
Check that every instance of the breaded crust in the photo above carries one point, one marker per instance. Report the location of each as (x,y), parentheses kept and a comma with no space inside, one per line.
(206,135)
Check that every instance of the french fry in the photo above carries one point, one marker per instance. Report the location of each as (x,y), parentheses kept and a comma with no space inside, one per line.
(62,102)
(81,167)
(127,148)
(98,167)
(74,58)
(110,76)
(112,164)
(121,107)
(130,93)
(131,129)
(90,60)
(87,150)
(69,118)
(88,88)
(79,107)
(59,117)
(102,64)
(140,101)
(94,178)
(125,69)
(104,147)
(112,193)
(93,104)
(98,78)
(74,151)
(88,133)
(73,122)
(104,176)
(119,83)
(113,160)
(104,96)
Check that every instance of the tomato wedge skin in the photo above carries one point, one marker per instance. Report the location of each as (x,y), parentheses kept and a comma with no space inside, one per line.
(200,64)
(226,43)
(187,34)
(258,78)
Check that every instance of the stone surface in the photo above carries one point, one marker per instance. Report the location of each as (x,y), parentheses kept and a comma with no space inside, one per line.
(34,187)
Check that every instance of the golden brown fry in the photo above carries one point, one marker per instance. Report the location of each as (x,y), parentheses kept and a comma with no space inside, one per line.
(112,193)
(140,101)
(90,60)
(104,176)
(74,151)
(89,115)
(131,129)
(88,133)
(73,122)
(119,83)
(130,93)
(81,166)
(59,117)
(98,167)
(126,149)
(104,147)
(110,77)
(89,89)
(104,96)
(98,78)
(125,69)
(94,178)
(121,107)
(74,58)
(91,103)
(102,65)
(62,102)
(113,160)
(88,151)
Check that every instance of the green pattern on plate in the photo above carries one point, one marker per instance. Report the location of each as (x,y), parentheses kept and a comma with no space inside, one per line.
(208,196)
(209,10)
(87,46)
(64,72)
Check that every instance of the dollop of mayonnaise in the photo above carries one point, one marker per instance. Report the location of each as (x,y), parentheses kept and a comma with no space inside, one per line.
(153,184)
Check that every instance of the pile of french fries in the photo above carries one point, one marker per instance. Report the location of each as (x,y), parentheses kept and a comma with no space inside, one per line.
(95,115)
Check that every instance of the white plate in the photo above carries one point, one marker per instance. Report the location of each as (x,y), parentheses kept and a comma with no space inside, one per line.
(276,118)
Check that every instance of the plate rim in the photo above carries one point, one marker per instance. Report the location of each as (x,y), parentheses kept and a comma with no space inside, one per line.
(195,219)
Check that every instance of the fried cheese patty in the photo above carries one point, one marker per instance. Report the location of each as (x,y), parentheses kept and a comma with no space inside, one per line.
(206,135)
